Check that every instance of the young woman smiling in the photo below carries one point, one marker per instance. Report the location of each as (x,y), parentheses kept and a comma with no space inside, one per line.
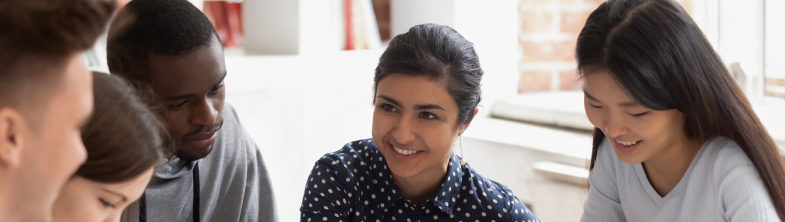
(675,137)
(426,91)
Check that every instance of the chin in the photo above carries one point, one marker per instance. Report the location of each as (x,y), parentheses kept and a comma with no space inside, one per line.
(402,171)
(631,158)
(192,154)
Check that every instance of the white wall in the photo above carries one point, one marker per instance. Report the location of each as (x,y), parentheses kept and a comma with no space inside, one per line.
(271,27)
(491,25)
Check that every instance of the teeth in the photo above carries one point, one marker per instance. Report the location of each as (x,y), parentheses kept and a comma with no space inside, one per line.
(404,152)
(626,143)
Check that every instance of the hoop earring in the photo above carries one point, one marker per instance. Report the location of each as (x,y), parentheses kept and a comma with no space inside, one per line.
(460,143)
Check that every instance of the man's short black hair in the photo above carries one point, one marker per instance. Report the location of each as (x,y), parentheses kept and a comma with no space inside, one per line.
(162,27)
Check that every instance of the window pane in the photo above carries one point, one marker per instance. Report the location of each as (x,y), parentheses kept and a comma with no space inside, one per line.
(775,48)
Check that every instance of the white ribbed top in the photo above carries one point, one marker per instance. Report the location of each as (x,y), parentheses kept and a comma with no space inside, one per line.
(721,184)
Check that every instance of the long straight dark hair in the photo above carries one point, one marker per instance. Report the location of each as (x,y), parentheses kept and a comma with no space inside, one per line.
(660,57)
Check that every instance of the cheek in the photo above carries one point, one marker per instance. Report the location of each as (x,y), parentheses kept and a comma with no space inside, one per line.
(661,128)
(64,146)
(380,126)
(438,139)
(595,116)
(176,121)
(218,101)
(80,204)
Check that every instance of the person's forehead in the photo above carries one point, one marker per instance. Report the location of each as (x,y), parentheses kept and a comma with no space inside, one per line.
(415,89)
(603,86)
(192,73)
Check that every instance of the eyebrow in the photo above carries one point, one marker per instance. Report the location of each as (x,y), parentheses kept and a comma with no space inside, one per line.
(112,192)
(390,100)
(417,107)
(194,94)
(428,106)
(589,96)
(625,104)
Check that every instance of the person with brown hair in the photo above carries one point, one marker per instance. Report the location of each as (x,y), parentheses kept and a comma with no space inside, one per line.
(45,96)
(124,142)
(675,137)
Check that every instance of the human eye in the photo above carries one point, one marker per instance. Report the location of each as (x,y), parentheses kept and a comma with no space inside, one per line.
(217,88)
(178,105)
(595,106)
(640,114)
(388,108)
(106,203)
(428,116)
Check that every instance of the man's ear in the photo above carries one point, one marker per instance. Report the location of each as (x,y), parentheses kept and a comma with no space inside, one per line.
(466,126)
(12,124)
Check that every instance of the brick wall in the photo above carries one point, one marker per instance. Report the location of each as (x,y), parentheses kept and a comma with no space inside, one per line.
(549,30)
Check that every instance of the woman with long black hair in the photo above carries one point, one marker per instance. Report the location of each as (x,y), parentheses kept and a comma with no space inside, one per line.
(675,137)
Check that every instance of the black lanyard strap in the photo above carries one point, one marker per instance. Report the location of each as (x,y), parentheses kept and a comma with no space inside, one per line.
(196,192)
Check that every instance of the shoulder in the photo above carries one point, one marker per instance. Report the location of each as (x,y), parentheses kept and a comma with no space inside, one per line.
(353,156)
(358,151)
(338,169)
(727,164)
(736,180)
(724,156)
(497,199)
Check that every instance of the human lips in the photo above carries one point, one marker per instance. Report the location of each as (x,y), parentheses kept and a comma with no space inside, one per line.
(404,153)
(627,146)
(202,139)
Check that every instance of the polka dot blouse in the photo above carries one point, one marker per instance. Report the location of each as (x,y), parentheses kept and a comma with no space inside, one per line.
(354,184)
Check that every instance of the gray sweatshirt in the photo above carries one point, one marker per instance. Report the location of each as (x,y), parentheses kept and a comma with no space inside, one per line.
(233,183)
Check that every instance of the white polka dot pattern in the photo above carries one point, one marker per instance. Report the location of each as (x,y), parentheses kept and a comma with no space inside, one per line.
(369,193)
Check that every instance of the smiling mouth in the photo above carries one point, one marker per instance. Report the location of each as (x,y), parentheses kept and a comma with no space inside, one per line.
(627,143)
(405,152)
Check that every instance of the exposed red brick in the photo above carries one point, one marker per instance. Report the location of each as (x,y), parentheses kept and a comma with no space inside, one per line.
(548,51)
(573,22)
(569,80)
(534,80)
(536,21)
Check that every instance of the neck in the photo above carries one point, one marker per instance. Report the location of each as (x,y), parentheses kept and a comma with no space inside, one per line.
(421,186)
(11,204)
(665,170)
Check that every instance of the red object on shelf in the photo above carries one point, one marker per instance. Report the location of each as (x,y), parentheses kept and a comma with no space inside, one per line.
(347,12)
(227,20)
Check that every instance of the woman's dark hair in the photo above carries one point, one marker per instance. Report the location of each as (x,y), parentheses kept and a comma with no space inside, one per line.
(660,57)
(440,53)
(123,137)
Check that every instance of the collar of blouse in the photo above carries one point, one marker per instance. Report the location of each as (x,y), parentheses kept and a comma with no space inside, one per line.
(387,192)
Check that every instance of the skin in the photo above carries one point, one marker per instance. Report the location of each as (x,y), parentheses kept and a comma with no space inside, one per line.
(37,160)
(664,149)
(416,113)
(192,91)
(85,200)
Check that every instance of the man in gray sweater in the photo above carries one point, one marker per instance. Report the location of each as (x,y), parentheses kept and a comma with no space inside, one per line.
(214,172)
